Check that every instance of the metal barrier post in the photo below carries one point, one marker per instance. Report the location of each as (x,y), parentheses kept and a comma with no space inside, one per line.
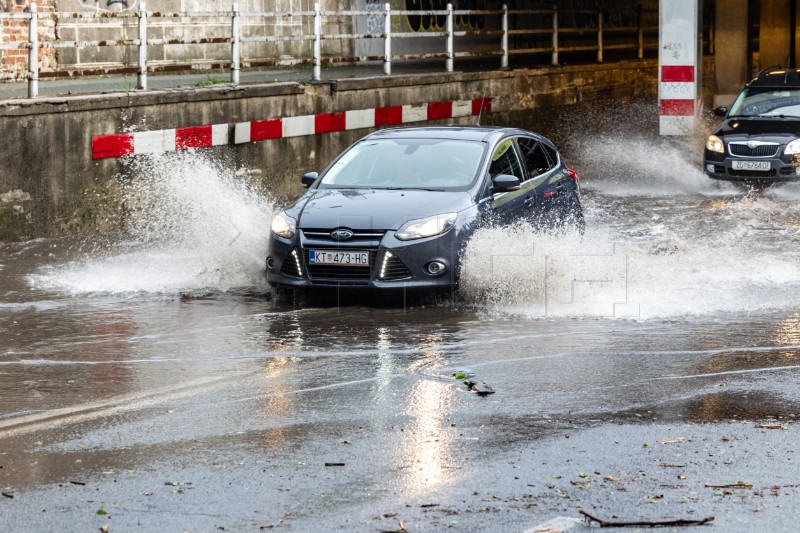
(317,54)
(387,41)
(141,76)
(504,40)
(33,53)
(599,36)
(555,34)
(235,45)
(449,61)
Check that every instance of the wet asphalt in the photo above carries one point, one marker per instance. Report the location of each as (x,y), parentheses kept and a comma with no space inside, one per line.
(644,372)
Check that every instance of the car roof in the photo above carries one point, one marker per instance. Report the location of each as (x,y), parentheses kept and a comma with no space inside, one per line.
(776,77)
(467,133)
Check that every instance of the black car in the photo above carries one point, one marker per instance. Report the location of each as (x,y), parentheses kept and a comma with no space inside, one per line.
(395,209)
(759,140)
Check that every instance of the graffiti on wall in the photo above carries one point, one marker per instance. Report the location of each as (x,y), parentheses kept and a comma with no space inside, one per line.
(109,5)
(423,23)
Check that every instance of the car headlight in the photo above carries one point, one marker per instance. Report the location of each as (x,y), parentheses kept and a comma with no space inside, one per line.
(793,147)
(283,225)
(426,227)
(714,144)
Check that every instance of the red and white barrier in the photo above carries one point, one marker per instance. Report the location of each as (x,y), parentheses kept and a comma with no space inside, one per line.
(278,128)
(159,141)
(679,66)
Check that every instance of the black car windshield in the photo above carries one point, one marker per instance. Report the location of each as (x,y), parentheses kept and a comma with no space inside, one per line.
(762,101)
(403,163)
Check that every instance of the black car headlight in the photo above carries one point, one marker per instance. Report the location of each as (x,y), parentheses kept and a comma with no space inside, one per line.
(283,225)
(426,227)
(715,144)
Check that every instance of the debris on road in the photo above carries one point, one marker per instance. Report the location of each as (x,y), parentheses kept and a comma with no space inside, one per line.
(400,529)
(9,495)
(468,378)
(770,425)
(737,485)
(334,464)
(645,523)
(481,389)
(463,373)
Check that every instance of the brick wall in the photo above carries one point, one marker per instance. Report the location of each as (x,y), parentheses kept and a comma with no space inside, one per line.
(14,63)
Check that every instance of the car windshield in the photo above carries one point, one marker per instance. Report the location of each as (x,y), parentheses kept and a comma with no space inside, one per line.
(430,164)
(760,101)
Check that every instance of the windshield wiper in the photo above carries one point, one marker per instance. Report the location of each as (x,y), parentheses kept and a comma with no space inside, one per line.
(781,115)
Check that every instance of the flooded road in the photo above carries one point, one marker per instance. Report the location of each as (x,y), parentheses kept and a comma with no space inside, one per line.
(150,383)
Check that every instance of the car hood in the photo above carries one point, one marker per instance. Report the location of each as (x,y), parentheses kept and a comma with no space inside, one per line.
(373,209)
(776,129)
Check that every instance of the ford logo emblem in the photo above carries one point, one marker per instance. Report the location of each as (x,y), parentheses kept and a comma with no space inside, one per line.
(341,234)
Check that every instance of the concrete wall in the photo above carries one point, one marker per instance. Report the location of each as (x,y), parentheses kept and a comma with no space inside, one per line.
(732,61)
(50,184)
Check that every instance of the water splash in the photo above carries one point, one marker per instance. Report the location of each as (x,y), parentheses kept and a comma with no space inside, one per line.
(727,256)
(194,225)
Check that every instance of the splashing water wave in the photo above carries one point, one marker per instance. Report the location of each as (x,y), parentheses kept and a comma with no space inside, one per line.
(195,226)
(605,275)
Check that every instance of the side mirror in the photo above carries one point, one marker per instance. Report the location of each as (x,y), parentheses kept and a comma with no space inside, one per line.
(505,182)
(309,178)
(721,111)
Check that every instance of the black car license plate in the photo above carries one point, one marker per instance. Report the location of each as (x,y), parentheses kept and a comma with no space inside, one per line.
(338,257)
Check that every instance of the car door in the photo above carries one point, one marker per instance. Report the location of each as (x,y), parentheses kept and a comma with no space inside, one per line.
(548,193)
(506,207)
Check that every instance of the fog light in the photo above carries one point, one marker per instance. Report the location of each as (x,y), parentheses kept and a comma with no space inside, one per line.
(434,268)
(270,263)
(710,167)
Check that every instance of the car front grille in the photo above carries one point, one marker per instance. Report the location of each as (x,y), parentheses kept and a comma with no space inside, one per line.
(751,173)
(341,272)
(760,150)
(358,235)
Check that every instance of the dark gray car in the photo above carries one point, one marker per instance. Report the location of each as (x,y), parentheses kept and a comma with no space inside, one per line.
(395,210)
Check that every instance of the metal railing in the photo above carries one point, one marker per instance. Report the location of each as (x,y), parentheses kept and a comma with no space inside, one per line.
(593,37)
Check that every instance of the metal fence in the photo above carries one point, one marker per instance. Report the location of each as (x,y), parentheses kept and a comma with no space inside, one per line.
(513,32)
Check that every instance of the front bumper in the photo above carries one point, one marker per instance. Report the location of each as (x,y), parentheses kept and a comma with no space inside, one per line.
(394,264)
(720,167)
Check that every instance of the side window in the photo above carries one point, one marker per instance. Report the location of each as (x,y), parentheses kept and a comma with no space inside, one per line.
(551,154)
(536,156)
(505,161)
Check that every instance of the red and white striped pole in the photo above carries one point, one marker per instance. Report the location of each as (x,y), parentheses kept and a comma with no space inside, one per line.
(679,66)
